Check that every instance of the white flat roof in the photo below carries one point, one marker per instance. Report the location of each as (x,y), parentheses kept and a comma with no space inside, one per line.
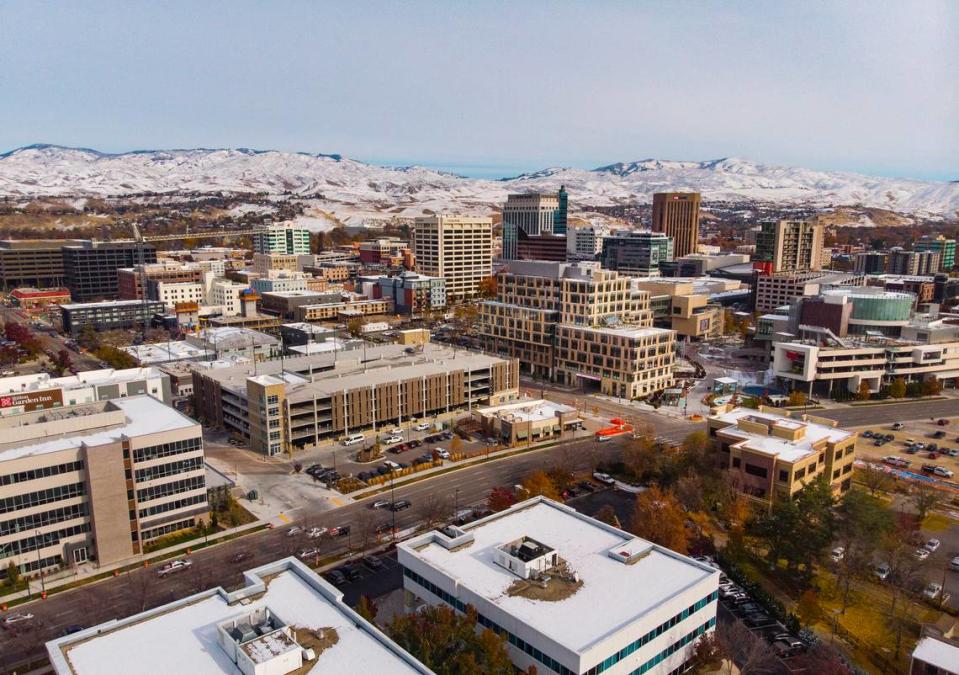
(182,637)
(613,594)
(529,410)
(938,653)
(625,331)
(144,415)
(85,378)
(161,352)
(785,449)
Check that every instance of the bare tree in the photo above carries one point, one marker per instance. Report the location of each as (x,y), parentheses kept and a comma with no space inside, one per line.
(141,582)
(924,498)
(875,479)
(749,652)
(365,528)
(431,510)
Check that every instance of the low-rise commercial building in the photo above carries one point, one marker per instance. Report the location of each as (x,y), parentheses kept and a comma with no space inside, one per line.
(785,288)
(40,391)
(109,315)
(97,482)
(32,299)
(585,242)
(284,619)
(410,292)
(130,280)
(527,420)
(280,282)
(689,309)
(572,595)
(820,363)
(300,402)
(769,456)
(343,310)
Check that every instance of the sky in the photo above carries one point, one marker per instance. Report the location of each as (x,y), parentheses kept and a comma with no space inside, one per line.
(494,88)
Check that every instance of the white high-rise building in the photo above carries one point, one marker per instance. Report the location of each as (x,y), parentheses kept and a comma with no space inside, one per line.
(281,238)
(457,248)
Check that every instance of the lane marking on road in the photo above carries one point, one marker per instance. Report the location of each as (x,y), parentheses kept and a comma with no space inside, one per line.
(283,517)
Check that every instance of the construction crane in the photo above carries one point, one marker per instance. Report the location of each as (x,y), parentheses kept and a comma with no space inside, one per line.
(141,261)
(194,235)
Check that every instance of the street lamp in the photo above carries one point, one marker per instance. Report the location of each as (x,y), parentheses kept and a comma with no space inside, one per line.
(43,588)
(392,503)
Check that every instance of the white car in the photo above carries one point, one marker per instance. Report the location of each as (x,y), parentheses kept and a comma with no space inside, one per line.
(943,472)
(932,591)
(932,545)
(17,617)
(921,553)
(396,431)
(442,453)
(604,478)
(309,552)
(390,440)
(422,426)
(954,564)
(837,554)
(391,464)
(293,531)
(316,532)
(882,571)
(173,566)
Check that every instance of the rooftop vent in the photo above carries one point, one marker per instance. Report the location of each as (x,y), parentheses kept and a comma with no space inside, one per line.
(525,557)
(260,643)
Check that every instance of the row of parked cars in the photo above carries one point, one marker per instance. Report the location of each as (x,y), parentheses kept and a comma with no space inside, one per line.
(355,572)
(738,601)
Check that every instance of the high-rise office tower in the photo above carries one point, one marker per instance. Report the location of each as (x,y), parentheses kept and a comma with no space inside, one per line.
(532,215)
(946,248)
(457,248)
(677,215)
(790,246)
(281,238)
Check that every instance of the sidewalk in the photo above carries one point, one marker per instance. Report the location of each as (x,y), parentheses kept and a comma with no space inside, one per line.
(58,580)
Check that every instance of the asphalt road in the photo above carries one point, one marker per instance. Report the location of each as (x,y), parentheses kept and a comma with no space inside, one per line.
(890,412)
(141,589)
(50,343)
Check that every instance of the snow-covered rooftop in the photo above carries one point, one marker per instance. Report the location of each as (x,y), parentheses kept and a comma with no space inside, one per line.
(182,637)
(163,352)
(528,410)
(43,381)
(613,595)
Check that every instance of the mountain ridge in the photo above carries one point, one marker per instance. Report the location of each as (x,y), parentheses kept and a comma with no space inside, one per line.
(49,170)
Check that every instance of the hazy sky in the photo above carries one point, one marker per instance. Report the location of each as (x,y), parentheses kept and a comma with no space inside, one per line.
(491,88)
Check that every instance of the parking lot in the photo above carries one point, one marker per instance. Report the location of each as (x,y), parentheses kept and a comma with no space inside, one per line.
(922,443)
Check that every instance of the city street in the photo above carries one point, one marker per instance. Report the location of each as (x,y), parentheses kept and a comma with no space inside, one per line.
(141,589)
(856,416)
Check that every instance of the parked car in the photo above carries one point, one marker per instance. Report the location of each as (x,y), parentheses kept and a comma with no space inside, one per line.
(837,554)
(882,570)
(604,478)
(173,567)
(954,564)
(942,422)
(928,468)
(943,472)
(293,531)
(309,553)
(897,426)
(336,577)
(17,617)
(867,434)
(911,450)
(757,619)
(932,545)
(380,504)
(442,453)
(391,465)
(921,553)
(373,563)
(316,532)
(586,486)
(932,455)
(932,591)
(401,505)
(415,443)
(390,440)
(353,572)
(422,426)
(341,531)
(396,431)
(939,434)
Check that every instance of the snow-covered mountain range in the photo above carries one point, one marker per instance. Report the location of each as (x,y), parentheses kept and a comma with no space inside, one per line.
(52,171)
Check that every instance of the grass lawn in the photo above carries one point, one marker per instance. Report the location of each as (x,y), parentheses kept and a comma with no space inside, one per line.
(937,522)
